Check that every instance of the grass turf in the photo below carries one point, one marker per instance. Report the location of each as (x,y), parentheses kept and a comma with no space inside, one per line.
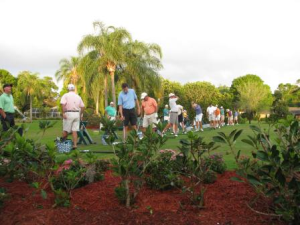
(172,143)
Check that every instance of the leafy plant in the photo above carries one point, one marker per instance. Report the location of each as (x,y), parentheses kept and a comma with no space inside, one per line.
(3,196)
(216,163)
(276,172)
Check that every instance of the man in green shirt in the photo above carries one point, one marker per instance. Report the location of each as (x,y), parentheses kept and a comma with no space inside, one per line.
(7,110)
(110,111)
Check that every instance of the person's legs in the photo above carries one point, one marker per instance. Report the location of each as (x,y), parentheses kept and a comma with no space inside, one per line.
(4,124)
(75,138)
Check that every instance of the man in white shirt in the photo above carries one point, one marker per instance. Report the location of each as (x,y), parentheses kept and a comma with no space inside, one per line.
(173,114)
(72,109)
(211,115)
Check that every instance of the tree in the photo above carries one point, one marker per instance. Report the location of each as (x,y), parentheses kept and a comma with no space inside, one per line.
(69,71)
(203,93)
(110,45)
(290,94)
(251,94)
(6,78)
(279,108)
(31,86)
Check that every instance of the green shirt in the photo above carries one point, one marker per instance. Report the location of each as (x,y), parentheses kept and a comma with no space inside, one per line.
(7,103)
(111,111)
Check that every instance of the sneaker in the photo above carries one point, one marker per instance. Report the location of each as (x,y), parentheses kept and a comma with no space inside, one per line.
(175,135)
(202,130)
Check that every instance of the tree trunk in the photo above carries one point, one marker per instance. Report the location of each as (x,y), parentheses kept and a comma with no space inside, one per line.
(127,187)
(30,97)
(105,91)
(97,105)
(113,89)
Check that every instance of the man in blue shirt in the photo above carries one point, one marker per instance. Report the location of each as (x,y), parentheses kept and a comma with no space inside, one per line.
(199,115)
(127,102)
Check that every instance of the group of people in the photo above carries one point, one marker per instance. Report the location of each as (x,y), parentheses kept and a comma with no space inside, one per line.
(129,109)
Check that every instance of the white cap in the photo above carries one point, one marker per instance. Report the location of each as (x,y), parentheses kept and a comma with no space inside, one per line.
(171,95)
(71,87)
(111,103)
(166,106)
(143,95)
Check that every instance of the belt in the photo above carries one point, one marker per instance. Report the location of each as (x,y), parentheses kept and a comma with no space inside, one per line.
(72,111)
(173,112)
(9,113)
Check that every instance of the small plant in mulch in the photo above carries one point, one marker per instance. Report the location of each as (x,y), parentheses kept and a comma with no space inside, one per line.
(196,169)
(161,174)
(216,163)
(274,170)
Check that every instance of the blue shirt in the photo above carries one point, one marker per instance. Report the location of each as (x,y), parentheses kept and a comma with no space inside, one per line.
(198,110)
(127,100)
(166,112)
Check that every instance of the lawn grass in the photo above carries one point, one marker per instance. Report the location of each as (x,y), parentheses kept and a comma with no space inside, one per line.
(172,143)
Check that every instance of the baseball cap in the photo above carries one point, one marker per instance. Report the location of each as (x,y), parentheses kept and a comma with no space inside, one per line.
(111,103)
(71,87)
(171,95)
(143,95)
(166,105)
(7,85)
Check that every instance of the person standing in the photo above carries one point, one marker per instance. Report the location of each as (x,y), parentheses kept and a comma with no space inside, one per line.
(236,117)
(166,113)
(72,109)
(111,111)
(127,102)
(199,116)
(7,110)
(148,110)
(180,118)
(217,117)
(211,115)
(173,114)
(222,119)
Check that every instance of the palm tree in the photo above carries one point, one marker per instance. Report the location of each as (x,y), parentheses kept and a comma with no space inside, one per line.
(69,71)
(31,85)
(110,45)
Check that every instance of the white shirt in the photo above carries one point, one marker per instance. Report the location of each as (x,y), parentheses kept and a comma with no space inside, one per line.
(173,105)
(211,109)
(180,109)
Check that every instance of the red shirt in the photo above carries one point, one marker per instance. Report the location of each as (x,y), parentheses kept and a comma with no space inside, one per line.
(149,106)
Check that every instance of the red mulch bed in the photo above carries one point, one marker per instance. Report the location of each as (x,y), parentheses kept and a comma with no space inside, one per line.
(225,203)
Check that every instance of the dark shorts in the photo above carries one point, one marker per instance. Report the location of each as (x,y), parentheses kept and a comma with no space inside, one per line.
(180,118)
(8,122)
(130,117)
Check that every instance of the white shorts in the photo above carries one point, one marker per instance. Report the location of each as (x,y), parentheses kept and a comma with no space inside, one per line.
(166,118)
(149,120)
(199,117)
(211,117)
(72,122)
(218,117)
(235,118)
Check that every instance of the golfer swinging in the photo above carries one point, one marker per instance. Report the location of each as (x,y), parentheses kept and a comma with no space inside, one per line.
(127,102)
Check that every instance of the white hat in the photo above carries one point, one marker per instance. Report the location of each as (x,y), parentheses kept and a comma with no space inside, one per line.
(166,106)
(143,95)
(111,103)
(221,107)
(71,87)
(171,95)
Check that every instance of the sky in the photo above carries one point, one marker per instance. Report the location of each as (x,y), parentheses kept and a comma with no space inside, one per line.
(214,41)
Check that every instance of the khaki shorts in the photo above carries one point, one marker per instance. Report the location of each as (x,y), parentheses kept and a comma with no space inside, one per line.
(173,118)
(211,117)
(72,122)
(149,120)
(218,117)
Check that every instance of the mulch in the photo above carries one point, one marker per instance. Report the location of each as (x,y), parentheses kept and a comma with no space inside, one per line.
(96,203)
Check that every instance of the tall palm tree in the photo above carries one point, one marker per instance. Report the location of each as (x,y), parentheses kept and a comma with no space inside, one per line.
(110,45)
(69,71)
(31,85)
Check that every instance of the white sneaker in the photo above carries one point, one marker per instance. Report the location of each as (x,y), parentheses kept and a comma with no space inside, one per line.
(176,135)
(202,130)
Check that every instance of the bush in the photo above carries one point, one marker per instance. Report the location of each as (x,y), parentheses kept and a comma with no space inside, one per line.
(160,174)
(215,162)
(210,177)
(274,173)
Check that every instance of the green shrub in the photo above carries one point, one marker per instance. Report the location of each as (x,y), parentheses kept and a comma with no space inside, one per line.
(161,174)
(210,177)
(215,162)
(3,196)
(275,171)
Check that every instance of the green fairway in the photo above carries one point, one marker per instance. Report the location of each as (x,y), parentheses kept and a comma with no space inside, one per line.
(172,143)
